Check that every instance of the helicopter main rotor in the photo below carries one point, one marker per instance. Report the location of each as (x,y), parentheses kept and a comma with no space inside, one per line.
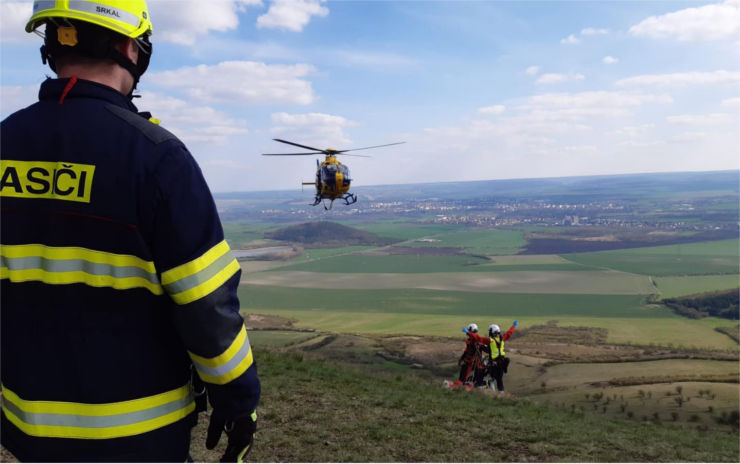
(327,151)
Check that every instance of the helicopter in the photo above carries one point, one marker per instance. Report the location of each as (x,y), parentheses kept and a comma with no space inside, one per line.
(332,177)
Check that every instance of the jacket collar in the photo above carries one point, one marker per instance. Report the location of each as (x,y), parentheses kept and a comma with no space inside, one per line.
(52,89)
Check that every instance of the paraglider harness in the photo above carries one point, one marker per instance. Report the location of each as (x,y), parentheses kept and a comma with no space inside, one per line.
(472,358)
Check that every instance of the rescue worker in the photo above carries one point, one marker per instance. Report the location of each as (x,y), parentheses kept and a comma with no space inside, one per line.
(498,363)
(471,360)
(115,275)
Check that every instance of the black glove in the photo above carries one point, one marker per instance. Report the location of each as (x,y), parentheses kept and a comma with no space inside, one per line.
(239,431)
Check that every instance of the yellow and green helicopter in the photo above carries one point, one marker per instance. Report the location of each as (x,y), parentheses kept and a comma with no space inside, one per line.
(332,177)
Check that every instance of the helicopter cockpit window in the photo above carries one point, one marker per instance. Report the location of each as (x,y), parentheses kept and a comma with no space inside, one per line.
(328,173)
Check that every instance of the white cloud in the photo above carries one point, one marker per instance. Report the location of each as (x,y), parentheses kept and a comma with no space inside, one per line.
(594,31)
(13,17)
(609,60)
(192,123)
(634,131)
(708,22)
(559,78)
(712,119)
(246,82)
(13,98)
(291,14)
(532,70)
(184,21)
(731,102)
(597,99)
(571,39)
(374,60)
(579,149)
(495,109)
(582,105)
(686,78)
(692,137)
(313,129)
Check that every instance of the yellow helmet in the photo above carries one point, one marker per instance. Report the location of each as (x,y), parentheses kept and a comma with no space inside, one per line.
(126,17)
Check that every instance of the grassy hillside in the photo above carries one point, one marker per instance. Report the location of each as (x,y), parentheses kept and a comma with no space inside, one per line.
(317,411)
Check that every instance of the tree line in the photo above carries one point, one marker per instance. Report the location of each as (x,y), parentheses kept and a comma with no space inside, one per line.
(718,304)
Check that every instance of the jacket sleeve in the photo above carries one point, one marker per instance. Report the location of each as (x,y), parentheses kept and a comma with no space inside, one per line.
(201,276)
(479,339)
(508,333)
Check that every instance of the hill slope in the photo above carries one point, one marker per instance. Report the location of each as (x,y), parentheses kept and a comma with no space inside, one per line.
(315,411)
(325,234)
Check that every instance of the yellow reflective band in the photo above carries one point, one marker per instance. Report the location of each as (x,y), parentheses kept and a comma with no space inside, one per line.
(201,276)
(196,265)
(227,366)
(94,256)
(97,421)
(70,265)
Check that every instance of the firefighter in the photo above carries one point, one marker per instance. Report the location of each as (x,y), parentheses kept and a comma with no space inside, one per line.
(471,361)
(116,279)
(498,363)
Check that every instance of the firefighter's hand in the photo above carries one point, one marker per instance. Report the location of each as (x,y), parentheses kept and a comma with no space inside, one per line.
(465,330)
(516,323)
(240,433)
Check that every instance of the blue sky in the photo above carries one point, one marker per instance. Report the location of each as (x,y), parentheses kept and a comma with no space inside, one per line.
(477,89)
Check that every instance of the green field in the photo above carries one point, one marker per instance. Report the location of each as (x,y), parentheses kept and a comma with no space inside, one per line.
(239,234)
(720,257)
(323,253)
(432,302)
(601,282)
(627,318)
(662,331)
(573,374)
(344,261)
(672,287)
(388,263)
(403,230)
(269,338)
(482,242)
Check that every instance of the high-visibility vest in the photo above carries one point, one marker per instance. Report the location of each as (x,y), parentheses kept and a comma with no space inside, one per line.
(497,348)
(116,282)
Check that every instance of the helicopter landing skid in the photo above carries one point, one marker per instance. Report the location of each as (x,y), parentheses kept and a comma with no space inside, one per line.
(349,199)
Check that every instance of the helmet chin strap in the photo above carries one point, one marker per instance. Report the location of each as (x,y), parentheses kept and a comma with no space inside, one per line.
(135,69)
(128,65)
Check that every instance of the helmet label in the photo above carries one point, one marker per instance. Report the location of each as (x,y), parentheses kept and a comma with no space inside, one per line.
(104,10)
(108,11)
(48,180)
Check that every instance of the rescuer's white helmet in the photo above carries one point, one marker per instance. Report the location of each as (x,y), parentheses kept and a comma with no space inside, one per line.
(493,329)
(473,328)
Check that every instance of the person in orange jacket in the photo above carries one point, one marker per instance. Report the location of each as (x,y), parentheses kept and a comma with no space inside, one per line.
(471,360)
(498,362)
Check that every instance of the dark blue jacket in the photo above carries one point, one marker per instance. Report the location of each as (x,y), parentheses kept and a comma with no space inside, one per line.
(116,279)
